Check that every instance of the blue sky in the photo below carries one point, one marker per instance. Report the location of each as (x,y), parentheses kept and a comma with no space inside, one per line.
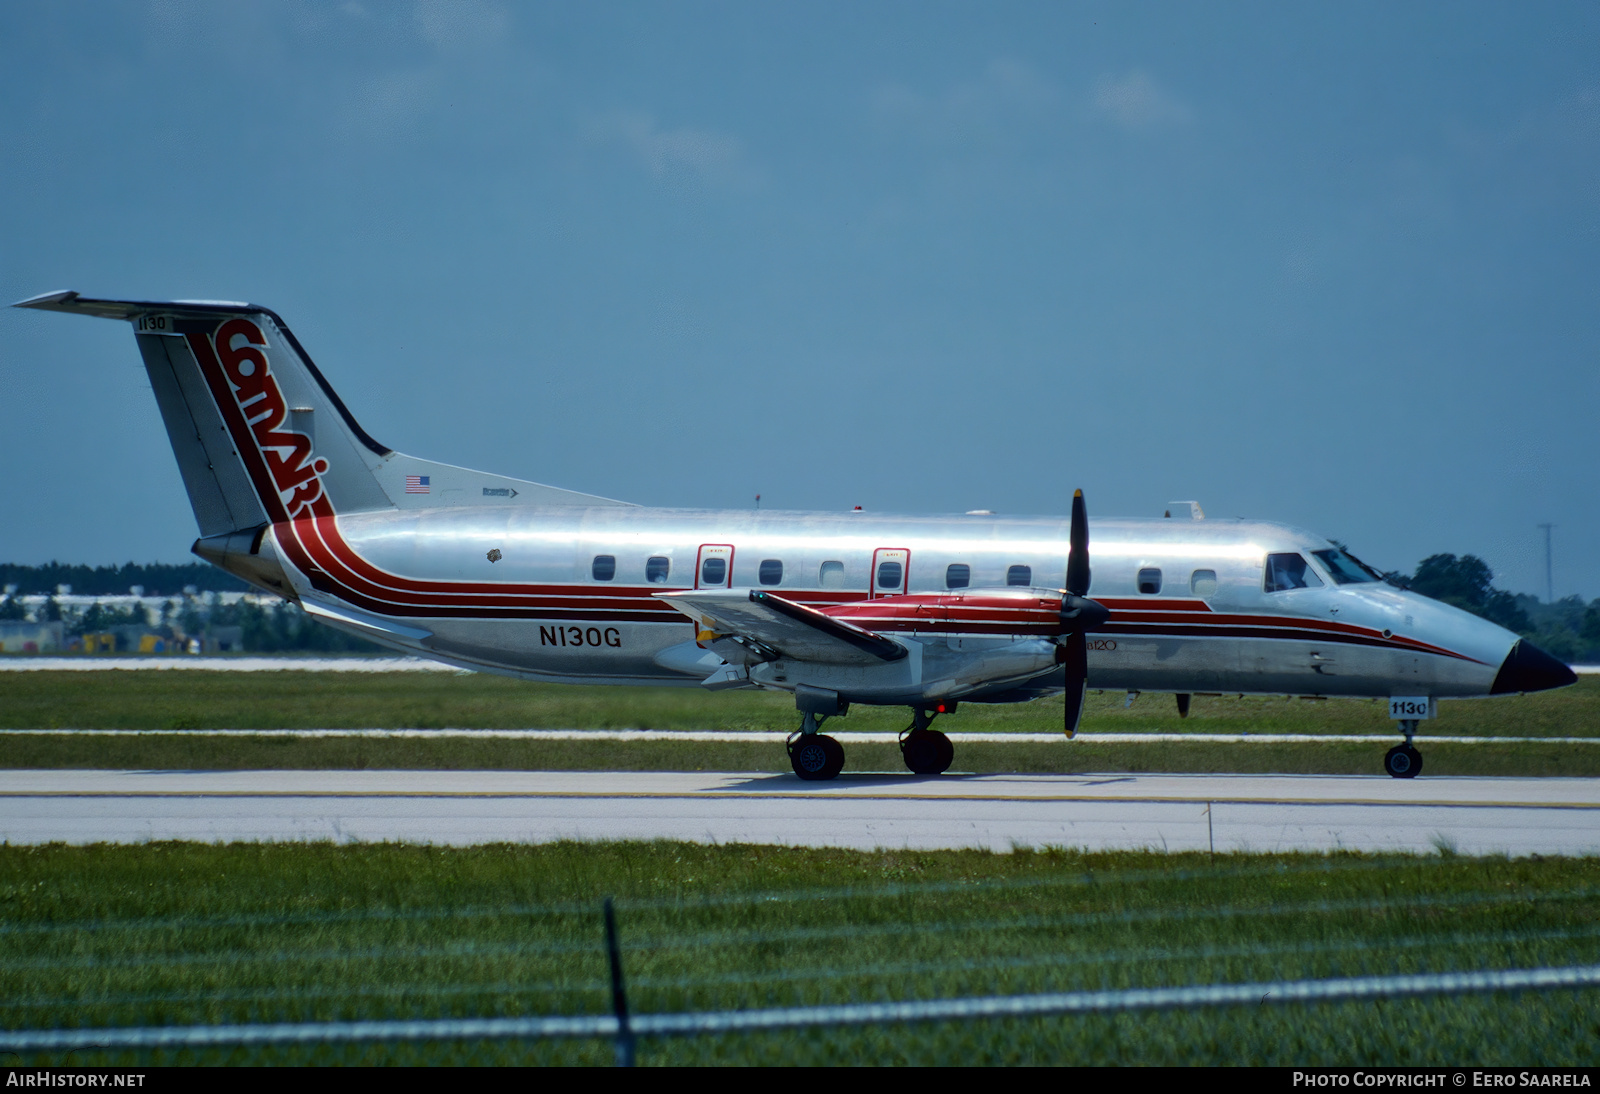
(1334,264)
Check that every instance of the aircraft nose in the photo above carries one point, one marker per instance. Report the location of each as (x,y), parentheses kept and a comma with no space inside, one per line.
(1528,668)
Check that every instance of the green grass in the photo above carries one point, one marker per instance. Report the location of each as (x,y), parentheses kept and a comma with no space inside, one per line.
(305,700)
(309,700)
(173,934)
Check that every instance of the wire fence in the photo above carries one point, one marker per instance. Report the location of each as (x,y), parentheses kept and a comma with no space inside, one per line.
(1326,960)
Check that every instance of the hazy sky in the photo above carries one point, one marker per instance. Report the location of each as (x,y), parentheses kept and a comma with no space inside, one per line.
(1334,264)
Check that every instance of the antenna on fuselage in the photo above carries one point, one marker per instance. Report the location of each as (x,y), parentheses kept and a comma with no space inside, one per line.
(1549,571)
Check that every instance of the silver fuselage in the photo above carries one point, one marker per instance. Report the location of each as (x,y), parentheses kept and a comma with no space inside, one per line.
(539,612)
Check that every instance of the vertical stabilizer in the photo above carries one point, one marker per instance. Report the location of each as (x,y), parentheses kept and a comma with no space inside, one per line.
(259,434)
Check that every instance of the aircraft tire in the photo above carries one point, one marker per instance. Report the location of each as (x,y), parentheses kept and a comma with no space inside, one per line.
(927,752)
(817,757)
(1403,762)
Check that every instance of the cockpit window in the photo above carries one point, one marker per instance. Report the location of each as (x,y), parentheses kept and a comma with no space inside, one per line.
(1345,567)
(1290,571)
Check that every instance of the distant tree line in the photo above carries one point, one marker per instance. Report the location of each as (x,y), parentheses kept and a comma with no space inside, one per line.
(158,578)
(263,628)
(1567,629)
(273,628)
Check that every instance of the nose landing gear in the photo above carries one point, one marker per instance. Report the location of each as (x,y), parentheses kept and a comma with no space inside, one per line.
(1404,761)
(926,751)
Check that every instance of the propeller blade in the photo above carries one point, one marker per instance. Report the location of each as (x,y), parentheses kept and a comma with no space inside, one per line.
(1079,615)
(1078,560)
(1074,656)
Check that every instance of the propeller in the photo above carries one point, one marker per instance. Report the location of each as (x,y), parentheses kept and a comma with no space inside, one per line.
(1079,616)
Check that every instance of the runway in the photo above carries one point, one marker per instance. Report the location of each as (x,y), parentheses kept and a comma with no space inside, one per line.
(1516,816)
(772,737)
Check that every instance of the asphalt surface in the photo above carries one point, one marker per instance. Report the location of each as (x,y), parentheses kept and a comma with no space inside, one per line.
(1516,816)
(774,737)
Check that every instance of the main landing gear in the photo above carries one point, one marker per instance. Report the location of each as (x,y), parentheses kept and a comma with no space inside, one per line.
(926,751)
(815,756)
(1404,761)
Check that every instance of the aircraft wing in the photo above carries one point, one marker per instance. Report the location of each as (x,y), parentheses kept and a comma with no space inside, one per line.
(794,630)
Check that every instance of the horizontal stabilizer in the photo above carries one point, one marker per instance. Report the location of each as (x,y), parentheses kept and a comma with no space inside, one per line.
(794,630)
(78,304)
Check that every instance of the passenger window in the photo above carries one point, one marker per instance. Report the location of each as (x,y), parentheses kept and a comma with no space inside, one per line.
(713,571)
(889,575)
(1019,575)
(831,576)
(772,571)
(957,575)
(1149,580)
(1203,583)
(656,569)
(604,567)
(1289,571)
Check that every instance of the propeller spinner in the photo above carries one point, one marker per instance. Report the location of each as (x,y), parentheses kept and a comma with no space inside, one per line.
(1079,616)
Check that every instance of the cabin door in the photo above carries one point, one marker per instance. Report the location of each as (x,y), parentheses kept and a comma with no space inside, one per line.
(891,571)
(714,568)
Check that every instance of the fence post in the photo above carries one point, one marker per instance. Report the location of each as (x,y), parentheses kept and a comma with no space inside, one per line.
(619,993)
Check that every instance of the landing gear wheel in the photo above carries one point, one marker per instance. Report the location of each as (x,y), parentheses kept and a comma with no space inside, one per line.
(1403,762)
(927,752)
(816,757)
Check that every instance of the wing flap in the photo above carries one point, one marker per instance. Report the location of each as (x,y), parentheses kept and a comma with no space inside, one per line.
(799,632)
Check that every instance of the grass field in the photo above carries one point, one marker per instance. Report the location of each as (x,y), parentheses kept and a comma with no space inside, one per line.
(173,934)
(309,700)
(304,700)
(204,751)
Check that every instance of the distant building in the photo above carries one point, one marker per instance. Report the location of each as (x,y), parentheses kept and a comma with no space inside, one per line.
(224,639)
(17,636)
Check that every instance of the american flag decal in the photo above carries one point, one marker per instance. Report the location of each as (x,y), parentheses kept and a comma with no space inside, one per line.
(416,484)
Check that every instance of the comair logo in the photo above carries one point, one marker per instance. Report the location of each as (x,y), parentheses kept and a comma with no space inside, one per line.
(239,347)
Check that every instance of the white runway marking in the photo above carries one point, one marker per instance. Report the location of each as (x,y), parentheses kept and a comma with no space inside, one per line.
(99,663)
(845,737)
(1515,816)
(96,663)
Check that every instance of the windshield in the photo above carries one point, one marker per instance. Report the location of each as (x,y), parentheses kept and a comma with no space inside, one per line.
(1345,567)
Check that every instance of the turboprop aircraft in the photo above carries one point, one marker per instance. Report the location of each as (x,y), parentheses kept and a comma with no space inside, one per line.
(508,576)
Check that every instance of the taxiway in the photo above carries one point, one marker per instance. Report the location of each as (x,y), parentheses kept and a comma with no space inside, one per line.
(1516,816)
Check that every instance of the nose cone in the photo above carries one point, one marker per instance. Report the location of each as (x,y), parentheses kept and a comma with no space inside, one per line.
(1528,668)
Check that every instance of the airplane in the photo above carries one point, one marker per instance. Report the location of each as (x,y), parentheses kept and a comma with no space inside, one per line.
(508,576)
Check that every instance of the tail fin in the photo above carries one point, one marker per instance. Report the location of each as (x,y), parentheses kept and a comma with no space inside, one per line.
(259,434)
